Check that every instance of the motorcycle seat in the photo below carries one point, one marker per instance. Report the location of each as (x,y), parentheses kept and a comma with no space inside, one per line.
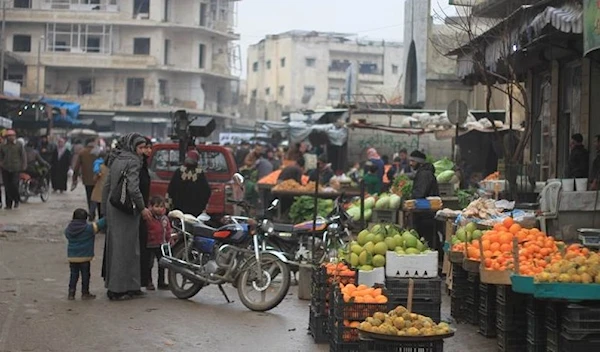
(202,230)
(304,227)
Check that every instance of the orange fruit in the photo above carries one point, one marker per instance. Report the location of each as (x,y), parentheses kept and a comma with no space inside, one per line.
(506,237)
(508,222)
(514,229)
(505,247)
(485,244)
(494,247)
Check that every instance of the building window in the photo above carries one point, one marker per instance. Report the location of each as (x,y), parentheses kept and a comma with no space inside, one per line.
(268,64)
(281,91)
(135,91)
(16,77)
(267,91)
(255,67)
(142,8)
(141,46)
(163,91)
(201,55)
(309,92)
(282,62)
(202,20)
(368,68)
(310,62)
(339,65)
(167,50)
(395,69)
(22,4)
(333,94)
(21,43)
(254,93)
(85,86)
(167,10)
(79,38)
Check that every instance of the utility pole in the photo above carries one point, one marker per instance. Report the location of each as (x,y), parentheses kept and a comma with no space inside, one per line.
(2,44)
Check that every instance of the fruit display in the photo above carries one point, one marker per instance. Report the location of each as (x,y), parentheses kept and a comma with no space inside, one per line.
(354,209)
(388,202)
(465,234)
(362,294)
(273,177)
(578,265)
(482,208)
(401,322)
(303,208)
(370,248)
(338,269)
(293,186)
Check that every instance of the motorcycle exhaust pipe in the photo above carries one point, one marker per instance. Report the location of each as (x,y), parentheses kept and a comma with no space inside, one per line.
(179,268)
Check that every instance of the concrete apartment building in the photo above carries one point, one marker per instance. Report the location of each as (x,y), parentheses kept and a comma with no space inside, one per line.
(299,70)
(128,62)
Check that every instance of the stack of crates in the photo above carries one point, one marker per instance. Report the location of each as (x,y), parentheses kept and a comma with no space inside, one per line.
(511,319)
(580,328)
(553,326)
(460,290)
(472,299)
(536,325)
(487,310)
(344,337)
(427,295)
(397,346)
(320,305)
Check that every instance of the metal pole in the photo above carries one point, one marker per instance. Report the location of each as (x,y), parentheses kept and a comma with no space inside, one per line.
(2,41)
(39,65)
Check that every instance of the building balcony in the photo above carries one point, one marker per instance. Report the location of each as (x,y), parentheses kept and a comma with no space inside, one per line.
(499,8)
(362,77)
(91,60)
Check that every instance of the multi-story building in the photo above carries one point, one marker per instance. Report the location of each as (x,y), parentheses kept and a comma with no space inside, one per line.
(128,62)
(299,70)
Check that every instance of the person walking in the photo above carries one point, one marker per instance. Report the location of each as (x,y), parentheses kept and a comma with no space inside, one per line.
(61,163)
(84,167)
(122,270)
(12,156)
(189,190)
(100,173)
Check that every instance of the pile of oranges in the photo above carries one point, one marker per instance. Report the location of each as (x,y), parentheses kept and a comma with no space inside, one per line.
(362,294)
(339,269)
(536,249)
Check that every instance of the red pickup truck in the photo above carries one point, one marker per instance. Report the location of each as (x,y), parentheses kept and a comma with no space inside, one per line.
(217,162)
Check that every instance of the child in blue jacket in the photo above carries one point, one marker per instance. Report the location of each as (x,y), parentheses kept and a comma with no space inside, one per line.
(80,251)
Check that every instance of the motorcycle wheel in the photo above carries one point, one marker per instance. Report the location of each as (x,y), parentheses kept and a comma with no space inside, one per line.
(23,191)
(274,270)
(181,287)
(44,191)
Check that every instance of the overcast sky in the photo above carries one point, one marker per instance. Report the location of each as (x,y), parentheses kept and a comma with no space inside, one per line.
(374,19)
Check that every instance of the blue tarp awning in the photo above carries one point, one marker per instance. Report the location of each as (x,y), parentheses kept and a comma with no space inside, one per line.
(71,109)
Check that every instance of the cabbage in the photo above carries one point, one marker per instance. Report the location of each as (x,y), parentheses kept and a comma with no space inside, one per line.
(443,165)
(445,176)
(383,203)
(369,203)
(395,201)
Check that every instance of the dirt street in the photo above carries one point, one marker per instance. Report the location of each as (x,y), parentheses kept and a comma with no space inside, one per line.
(36,316)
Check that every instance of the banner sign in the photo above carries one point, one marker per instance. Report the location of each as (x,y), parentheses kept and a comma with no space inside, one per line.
(591,26)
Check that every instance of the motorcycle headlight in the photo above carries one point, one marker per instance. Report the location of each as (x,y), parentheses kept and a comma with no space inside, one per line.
(332,227)
(267,226)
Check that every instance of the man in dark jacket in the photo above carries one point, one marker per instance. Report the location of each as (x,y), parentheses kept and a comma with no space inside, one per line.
(579,159)
(425,185)
(293,172)
(12,156)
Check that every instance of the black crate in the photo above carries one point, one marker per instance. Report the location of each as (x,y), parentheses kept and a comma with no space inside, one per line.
(487,324)
(554,315)
(458,273)
(510,317)
(536,306)
(536,346)
(344,347)
(459,309)
(354,311)
(552,339)
(396,346)
(340,334)
(487,298)
(473,313)
(318,328)
(502,293)
(579,342)
(536,326)
(473,278)
(511,341)
(430,289)
(581,319)
(424,307)
(505,295)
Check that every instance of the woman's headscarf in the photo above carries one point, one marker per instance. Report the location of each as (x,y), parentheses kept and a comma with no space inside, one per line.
(372,154)
(127,143)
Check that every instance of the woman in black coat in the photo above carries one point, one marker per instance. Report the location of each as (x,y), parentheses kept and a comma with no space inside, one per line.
(60,162)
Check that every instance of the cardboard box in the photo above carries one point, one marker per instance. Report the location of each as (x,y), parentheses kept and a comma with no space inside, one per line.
(370,278)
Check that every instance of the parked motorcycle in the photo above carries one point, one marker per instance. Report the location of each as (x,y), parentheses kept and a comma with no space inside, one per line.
(31,187)
(204,255)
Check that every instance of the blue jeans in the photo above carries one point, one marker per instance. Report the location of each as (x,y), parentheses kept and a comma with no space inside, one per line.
(76,268)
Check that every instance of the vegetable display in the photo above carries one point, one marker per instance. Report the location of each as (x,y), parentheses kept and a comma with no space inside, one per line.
(303,208)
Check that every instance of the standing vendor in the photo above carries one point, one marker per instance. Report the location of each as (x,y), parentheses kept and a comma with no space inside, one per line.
(325,172)
(595,173)
(425,185)
(579,158)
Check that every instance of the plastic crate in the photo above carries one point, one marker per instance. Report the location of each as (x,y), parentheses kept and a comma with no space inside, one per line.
(510,341)
(446,189)
(458,273)
(459,310)
(579,342)
(554,315)
(487,324)
(318,327)
(424,307)
(553,339)
(397,346)
(473,278)
(504,294)
(338,333)
(385,216)
(355,311)
(510,317)
(581,319)
(536,326)
(430,289)
(536,346)
(487,298)
(344,347)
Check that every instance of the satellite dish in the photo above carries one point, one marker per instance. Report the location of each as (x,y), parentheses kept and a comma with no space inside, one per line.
(457,112)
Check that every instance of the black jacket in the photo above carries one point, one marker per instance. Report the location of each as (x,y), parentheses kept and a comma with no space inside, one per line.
(191,192)
(425,184)
(579,163)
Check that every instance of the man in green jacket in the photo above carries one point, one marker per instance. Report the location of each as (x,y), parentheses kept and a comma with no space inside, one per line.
(11,163)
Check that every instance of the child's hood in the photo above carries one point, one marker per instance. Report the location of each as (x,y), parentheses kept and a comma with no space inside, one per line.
(76,227)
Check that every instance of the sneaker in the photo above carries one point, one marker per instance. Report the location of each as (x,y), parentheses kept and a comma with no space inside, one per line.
(150,287)
(86,296)
(71,296)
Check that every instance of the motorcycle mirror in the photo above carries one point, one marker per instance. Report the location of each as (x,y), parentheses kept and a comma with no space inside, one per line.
(203,217)
(238,179)
(275,203)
